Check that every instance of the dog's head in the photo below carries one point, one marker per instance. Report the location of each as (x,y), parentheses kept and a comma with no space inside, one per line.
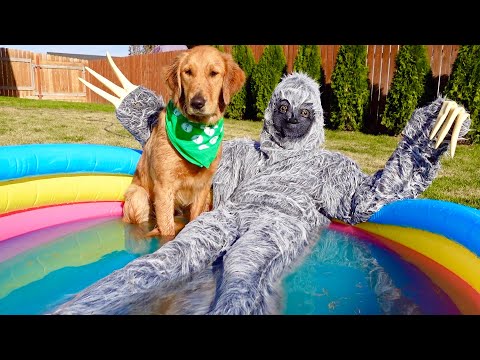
(202,81)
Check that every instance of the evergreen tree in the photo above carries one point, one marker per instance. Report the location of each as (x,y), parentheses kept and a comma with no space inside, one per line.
(241,104)
(464,85)
(219,47)
(265,77)
(407,87)
(308,61)
(349,83)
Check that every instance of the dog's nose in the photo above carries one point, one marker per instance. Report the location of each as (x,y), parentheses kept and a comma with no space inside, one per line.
(197,102)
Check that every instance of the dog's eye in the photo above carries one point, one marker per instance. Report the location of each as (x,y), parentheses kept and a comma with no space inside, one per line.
(188,72)
(283,109)
(213,73)
(305,113)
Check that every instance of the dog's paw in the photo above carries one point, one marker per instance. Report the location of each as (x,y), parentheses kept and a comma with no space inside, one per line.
(180,222)
(155,232)
(136,241)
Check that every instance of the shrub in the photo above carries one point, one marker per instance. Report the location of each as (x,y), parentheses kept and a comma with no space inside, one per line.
(219,47)
(308,61)
(407,87)
(431,88)
(349,83)
(241,104)
(464,85)
(265,77)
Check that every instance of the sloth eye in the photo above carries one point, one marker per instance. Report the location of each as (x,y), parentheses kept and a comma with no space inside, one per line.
(283,109)
(305,113)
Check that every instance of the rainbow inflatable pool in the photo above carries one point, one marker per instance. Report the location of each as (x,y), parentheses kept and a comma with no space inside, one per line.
(60,210)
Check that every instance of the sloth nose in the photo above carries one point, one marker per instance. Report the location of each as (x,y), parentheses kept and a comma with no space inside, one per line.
(292,119)
(197,102)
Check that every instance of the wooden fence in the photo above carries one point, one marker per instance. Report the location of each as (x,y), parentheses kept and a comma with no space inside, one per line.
(27,74)
(41,76)
(381,64)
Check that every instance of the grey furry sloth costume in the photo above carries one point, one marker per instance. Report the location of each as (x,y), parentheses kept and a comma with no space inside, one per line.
(271,201)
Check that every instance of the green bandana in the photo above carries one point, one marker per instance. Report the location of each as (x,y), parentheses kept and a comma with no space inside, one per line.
(197,143)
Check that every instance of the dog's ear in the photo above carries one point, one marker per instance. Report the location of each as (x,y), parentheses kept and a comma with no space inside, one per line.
(234,78)
(172,76)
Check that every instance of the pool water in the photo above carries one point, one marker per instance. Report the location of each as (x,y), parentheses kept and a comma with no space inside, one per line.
(345,275)
(38,279)
(341,275)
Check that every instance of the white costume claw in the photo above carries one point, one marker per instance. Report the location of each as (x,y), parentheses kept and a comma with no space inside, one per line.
(115,101)
(128,87)
(450,113)
(115,88)
(446,107)
(447,124)
(456,130)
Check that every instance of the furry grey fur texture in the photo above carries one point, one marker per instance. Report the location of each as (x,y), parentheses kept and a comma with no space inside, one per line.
(138,113)
(271,201)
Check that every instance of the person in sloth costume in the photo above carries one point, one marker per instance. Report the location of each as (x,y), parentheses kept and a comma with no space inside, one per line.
(272,199)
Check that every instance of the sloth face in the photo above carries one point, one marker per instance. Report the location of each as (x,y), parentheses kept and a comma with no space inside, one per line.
(290,122)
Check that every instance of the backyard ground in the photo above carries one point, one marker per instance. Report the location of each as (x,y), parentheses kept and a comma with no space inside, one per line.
(24,121)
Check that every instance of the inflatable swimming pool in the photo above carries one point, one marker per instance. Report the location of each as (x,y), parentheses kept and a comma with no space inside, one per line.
(60,231)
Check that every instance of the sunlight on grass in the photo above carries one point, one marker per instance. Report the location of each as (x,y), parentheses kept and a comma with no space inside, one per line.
(19,103)
(242,128)
(27,126)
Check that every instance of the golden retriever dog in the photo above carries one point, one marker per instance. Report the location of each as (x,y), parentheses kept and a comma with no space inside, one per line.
(202,81)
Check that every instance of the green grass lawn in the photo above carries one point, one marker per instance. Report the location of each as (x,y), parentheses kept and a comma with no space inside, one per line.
(24,121)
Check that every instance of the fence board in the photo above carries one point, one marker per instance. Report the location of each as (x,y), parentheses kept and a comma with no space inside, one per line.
(393,55)
(453,56)
(329,56)
(447,64)
(9,75)
(375,68)
(435,60)
(3,64)
(290,54)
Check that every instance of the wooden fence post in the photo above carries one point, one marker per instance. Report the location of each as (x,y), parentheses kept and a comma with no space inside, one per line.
(38,76)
